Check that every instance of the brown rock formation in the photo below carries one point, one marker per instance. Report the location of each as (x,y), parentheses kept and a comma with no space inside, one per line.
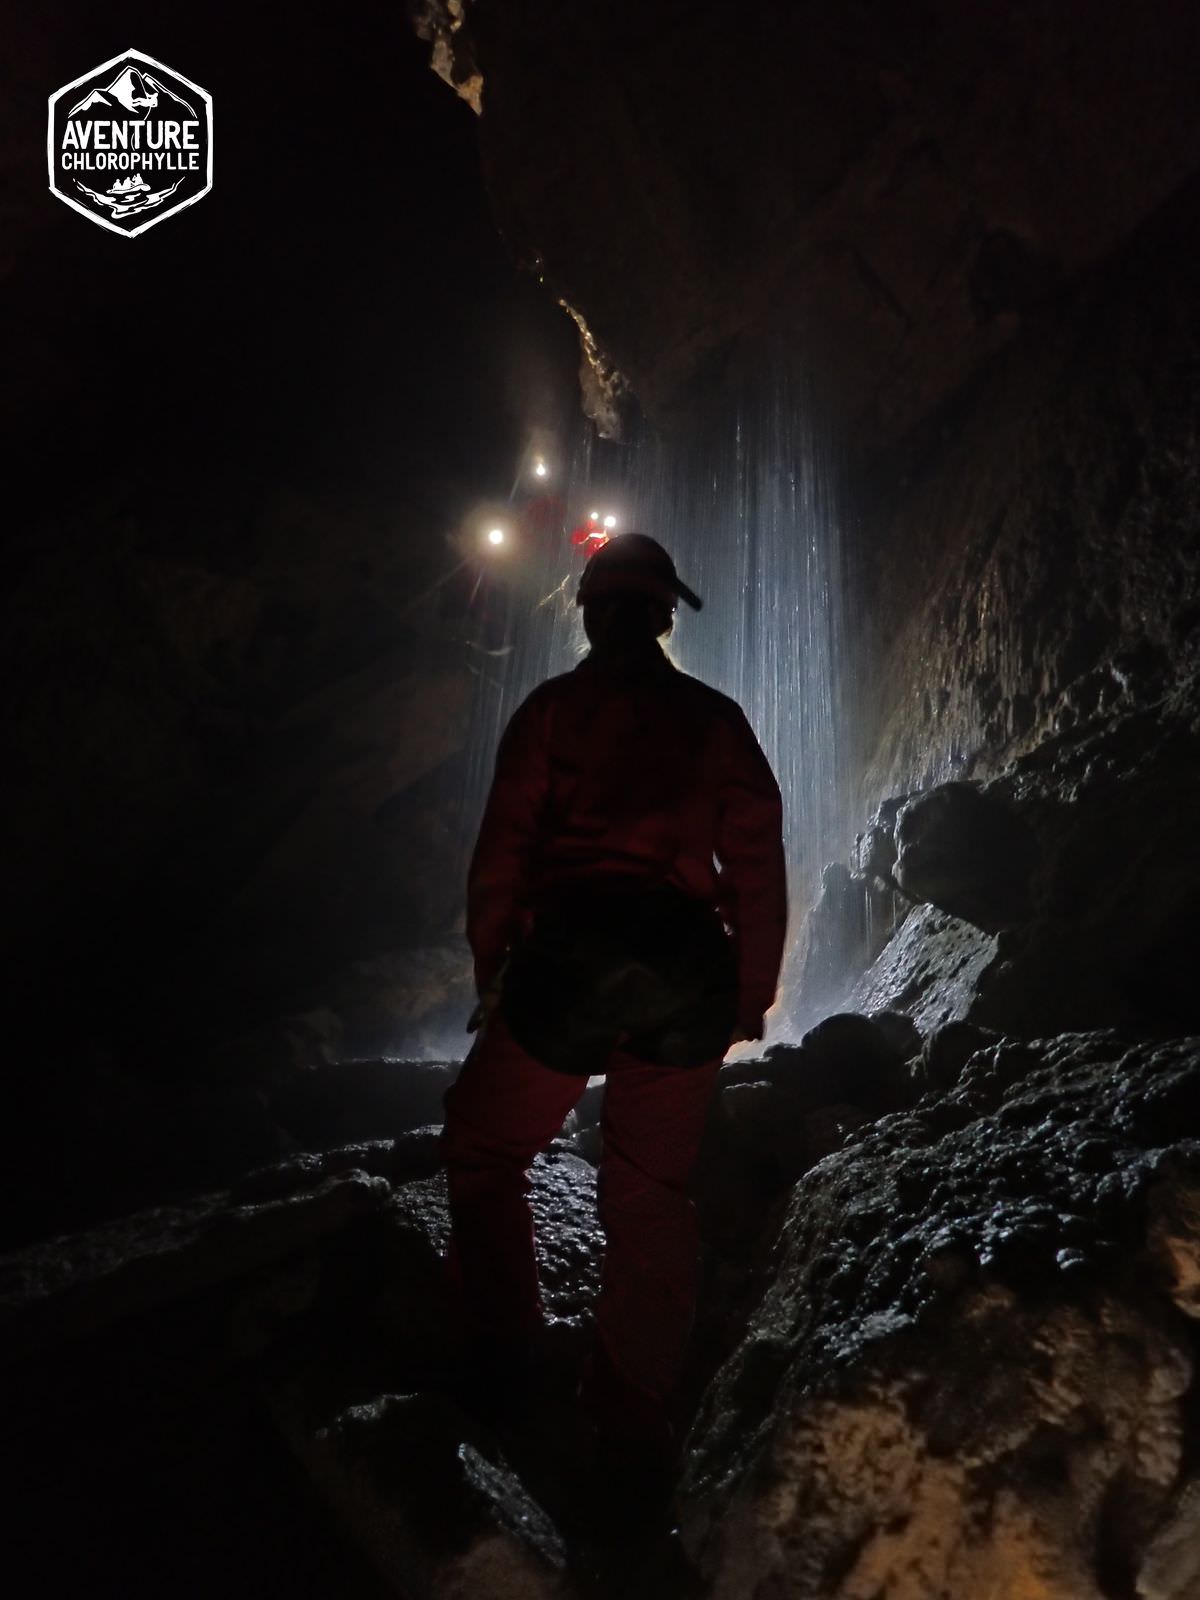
(972,1371)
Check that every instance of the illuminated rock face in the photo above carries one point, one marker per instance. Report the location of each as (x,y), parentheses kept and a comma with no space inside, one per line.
(972,1372)
(891,195)
(1034,565)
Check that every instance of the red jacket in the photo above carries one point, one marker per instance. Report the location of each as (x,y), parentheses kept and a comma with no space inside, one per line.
(637,769)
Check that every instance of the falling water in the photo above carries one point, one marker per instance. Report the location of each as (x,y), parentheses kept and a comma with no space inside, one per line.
(747,512)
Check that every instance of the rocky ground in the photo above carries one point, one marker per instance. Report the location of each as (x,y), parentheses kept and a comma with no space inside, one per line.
(946,1347)
(948,1333)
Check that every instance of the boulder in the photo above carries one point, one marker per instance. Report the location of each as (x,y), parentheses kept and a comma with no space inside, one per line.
(783,1136)
(900,1032)
(970,1374)
(862,1056)
(966,852)
(76,1286)
(932,971)
(946,1052)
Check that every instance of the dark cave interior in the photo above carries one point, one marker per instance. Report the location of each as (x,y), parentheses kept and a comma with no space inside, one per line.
(887,318)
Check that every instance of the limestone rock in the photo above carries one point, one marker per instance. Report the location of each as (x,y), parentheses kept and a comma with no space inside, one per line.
(411,1155)
(416,1297)
(589,1142)
(964,851)
(931,971)
(946,1052)
(863,1057)
(782,1135)
(70,1287)
(589,1106)
(427,1496)
(968,1375)
(875,847)
(851,921)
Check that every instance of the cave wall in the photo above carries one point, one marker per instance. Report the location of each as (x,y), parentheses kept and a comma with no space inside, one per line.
(1036,563)
(231,745)
(971,233)
(888,192)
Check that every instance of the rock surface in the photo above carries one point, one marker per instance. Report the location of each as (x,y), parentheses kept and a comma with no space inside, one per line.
(416,1301)
(966,852)
(69,1288)
(430,1499)
(1100,930)
(931,970)
(861,185)
(973,1369)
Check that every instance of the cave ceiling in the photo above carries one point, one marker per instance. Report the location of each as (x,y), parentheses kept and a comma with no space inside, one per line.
(883,192)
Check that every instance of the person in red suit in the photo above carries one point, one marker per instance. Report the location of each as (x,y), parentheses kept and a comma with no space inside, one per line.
(626,909)
(591,536)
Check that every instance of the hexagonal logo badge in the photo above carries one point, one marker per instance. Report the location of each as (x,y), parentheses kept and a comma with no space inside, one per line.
(130,143)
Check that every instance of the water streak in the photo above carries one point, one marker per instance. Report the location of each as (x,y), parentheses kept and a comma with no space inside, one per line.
(746,508)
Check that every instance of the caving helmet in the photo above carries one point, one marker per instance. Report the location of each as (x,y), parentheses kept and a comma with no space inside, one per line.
(633,563)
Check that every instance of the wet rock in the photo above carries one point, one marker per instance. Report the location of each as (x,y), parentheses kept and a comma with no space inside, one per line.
(946,1052)
(862,1056)
(416,1154)
(853,918)
(964,851)
(900,1032)
(417,1302)
(781,1133)
(427,1496)
(932,971)
(1109,937)
(73,1287)
(589,1142)
(590,1105)
(875,848)
(969,1374)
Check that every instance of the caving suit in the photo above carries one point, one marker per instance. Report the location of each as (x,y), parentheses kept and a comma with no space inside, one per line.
(632,821)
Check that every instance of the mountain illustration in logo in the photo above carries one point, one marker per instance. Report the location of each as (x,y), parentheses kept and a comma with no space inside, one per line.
(129,143)
(132,91)
(129,195)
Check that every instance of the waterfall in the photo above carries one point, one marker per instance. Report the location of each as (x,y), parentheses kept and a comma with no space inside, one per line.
(746,508)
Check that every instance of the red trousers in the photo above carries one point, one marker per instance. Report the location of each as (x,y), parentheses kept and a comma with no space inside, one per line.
(505,1108)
